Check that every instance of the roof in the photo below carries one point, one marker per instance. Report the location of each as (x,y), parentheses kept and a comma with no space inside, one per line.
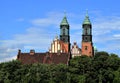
(64,21)
(45,58)
(26,58)
(86,20)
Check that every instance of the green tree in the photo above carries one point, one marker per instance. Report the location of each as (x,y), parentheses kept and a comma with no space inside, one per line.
(117,76)
(59,73)
(7,71)
(79,67)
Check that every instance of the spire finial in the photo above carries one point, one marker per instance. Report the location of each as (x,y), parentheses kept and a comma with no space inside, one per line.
(86,20)
(64,21)
(87,12)
(65,13)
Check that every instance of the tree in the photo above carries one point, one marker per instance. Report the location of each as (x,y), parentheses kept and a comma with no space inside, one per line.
(7,71)
(59,73)
(79,67)
(117,76)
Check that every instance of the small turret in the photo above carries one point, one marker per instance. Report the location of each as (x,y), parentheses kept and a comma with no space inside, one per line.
(19,52)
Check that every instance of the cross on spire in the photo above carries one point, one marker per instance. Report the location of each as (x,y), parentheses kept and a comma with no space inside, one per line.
(86,12)
(86,20)
(65,13)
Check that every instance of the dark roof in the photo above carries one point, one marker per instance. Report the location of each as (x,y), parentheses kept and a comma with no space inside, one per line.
(46,58)
(60,58)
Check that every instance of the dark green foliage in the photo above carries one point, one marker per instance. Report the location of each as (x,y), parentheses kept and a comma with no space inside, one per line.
(102,68)
(103,53)
(117,76)
(15,72)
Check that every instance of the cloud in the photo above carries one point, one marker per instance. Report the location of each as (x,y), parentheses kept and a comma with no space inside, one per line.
(8,58)
(51,19)
(34,38)
(106,33)
(44,22)
(116,35)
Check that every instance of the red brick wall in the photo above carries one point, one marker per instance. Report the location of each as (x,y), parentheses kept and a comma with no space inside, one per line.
(87,49)
(65,47)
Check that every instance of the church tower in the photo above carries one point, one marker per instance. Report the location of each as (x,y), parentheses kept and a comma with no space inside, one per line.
(87,45)
(64,32)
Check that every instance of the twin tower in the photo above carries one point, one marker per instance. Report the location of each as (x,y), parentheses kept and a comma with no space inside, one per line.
(86,44)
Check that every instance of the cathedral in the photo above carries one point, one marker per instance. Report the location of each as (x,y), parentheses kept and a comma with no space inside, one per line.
(61,50)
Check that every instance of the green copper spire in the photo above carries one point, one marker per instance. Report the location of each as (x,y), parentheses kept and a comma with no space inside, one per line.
(64,21)
(86,20)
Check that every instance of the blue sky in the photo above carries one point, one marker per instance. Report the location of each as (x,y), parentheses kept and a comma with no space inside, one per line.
(33,24)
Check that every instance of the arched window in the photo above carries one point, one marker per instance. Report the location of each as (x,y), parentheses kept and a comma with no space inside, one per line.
(86,47)
(86,31)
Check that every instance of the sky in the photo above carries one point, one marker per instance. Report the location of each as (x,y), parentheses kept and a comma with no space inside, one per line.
(33,24)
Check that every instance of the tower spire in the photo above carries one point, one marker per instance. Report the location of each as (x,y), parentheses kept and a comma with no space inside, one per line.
(86,20)
(64,21)
(64,13)
(87,13)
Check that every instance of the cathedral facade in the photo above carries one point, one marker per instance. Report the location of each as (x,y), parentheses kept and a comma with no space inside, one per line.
(60,50)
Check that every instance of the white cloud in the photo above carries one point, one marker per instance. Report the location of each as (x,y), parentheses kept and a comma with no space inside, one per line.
(44,22)
(52,18)
(34,38)
(116,35)
(9,58)
(106,33)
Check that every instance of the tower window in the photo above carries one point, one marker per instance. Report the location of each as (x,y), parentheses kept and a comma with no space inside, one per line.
(64,31)
(86,31)
(64,39)
(86,47)
(86,38)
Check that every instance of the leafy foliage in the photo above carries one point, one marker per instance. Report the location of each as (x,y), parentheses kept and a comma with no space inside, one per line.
(102,68)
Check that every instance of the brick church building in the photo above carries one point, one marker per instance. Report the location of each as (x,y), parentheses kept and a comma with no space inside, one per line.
(61,51)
